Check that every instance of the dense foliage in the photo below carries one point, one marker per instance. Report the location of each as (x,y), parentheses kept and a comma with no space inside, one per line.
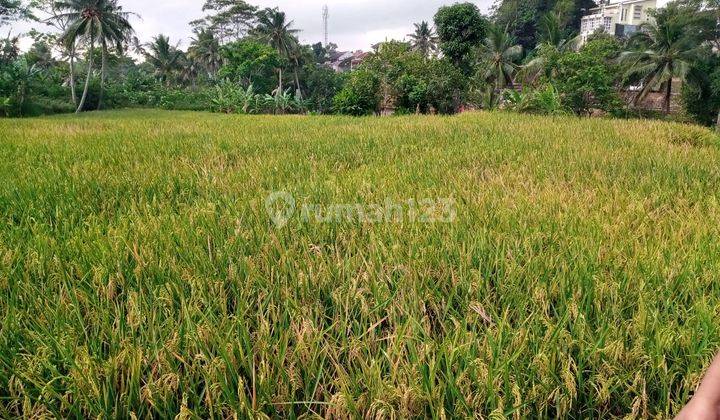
(245,59)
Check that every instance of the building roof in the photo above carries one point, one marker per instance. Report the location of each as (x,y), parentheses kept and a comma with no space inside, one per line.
(613,4)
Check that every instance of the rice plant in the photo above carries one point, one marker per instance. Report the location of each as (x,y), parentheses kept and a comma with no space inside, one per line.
(143,276)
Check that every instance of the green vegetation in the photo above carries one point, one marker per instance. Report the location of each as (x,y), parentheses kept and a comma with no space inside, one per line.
(142,275)
(462,60)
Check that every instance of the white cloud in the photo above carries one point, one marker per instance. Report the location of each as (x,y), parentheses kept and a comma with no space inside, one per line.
(354,24)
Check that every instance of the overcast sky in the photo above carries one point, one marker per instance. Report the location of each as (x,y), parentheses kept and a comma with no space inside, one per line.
(354,24)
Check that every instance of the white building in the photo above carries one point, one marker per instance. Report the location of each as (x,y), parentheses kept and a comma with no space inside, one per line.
(619,18)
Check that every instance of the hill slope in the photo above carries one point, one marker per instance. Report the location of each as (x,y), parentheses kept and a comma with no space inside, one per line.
(567,268)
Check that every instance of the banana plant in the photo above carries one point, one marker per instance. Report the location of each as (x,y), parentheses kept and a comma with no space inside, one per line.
(280,102)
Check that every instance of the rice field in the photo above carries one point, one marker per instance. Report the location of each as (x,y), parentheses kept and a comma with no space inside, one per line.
(160,264)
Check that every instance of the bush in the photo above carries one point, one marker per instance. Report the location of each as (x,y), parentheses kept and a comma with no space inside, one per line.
(322,84)
(230,98)
(545,100)
(701,96)
(360,96)
(585,83)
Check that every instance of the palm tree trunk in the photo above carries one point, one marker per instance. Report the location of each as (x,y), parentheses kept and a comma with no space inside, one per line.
(280,80)
(717,127)
(89,75)
(22,90)
(72,75)
(297,84)
(668,97)
(103,70)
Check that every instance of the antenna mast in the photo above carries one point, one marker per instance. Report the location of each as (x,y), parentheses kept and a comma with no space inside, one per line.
(326,18)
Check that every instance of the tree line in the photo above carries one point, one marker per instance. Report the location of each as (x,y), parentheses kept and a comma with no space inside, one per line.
(525,56)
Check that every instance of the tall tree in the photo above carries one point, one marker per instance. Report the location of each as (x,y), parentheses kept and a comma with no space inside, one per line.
(229,20)
(250,62)
(461,29)
(554,33)
(164,57)
(553,42)
(116,36)
(274,29)
(665,49)
(11,10)
(297,57)
(68,48)
(93,21)
(205,50)
(523,18)
(498,56)
(704,15)
(424,40)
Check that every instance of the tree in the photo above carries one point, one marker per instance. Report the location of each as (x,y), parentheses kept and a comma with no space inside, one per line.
(11,10)
(94,21)
(274,29)
(322,84)
(361,94)
(164,57)
(553,33)
(69,48)
(297,57)
(116,33)
(9,50)
(585,79)
(498,58)
(319,52)
(15,81)
(424,40)
(250,63)
(205,50)
(664,49)
(553,43)
(701,96)
(523,18)
(40,55)
(231,19)
(704,16)
(461,29)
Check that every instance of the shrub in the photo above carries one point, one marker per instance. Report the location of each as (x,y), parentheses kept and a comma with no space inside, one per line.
(545,100)
(230,98)
(585,83)
(360,96)
(701,96)
(322,84)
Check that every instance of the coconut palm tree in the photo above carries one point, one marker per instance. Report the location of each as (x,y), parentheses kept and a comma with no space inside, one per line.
(92,21)
(274,28)
(498,57)
(297,57)
(190,70)
(118,38)
(69,52)
(205,50)
(553,42)
(164,57)
(424,40)
(553,33)
(663,50)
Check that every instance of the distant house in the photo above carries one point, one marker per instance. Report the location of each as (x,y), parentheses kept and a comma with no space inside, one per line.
(618,18)
(342,61)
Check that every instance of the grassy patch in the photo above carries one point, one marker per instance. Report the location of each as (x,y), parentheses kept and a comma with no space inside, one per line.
(141,273)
